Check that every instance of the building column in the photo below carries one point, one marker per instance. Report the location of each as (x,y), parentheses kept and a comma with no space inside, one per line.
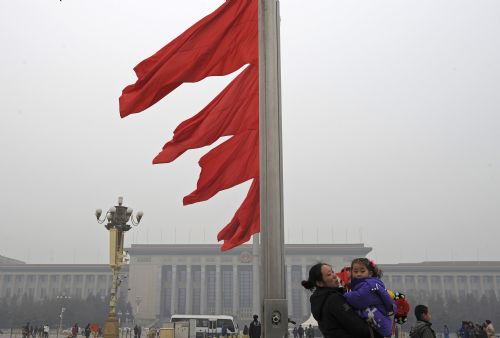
(455,285)
(189,290)
(443,291)
(236,298)
(304,297)
(61,289)
(84,287)
(25,288)
(289,289)
(256,275)
(218,289)
(203,291)
(495,285)
(96,289)
(173,291)
(36,291)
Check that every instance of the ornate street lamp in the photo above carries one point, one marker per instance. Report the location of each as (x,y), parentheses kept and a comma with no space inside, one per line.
(117,218)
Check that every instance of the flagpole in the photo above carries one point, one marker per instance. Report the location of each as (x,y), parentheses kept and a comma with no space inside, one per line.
(273,292)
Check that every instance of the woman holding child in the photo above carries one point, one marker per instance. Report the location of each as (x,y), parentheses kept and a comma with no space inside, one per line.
(329,307)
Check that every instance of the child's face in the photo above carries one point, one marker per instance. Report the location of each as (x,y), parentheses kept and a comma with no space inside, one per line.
(360,271)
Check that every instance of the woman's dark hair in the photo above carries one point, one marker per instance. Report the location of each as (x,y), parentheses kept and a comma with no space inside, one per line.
(376,272)
(315,275)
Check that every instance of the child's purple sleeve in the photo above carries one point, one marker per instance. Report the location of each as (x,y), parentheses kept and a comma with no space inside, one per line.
(357,298)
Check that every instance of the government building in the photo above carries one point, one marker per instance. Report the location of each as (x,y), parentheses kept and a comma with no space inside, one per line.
(166,279)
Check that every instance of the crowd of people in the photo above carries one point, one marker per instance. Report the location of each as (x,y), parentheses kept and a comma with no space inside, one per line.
(476,330)
(43,331)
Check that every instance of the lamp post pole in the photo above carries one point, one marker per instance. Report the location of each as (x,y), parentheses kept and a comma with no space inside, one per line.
(63,298)
(60,321)
(117,217)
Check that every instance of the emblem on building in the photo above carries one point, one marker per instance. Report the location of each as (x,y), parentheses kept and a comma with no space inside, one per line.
(245,257)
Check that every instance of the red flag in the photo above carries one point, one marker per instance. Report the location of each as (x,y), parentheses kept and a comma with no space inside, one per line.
(234,110)
(218,44)
(245,222)
(233,162)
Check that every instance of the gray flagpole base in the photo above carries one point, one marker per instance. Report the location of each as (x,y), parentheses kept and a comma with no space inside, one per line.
(275,317)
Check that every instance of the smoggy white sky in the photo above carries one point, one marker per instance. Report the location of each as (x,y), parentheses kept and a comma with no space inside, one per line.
(391,128)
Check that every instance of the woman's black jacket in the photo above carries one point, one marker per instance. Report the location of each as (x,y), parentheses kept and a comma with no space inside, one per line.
(336,318)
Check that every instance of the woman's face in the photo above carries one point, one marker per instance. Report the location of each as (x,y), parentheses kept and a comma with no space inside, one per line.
(329,278)
(360,271)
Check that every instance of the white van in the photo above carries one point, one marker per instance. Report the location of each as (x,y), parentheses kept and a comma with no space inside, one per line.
(208,325)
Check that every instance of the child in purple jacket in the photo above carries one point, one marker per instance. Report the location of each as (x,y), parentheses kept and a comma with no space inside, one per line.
(369,296)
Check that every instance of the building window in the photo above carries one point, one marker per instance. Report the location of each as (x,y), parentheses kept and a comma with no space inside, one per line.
(211,287)
(195,307)
(245,287)
(227,287)
(397,282)
(296,274)
(410,283)
(167,300)
(488,283)
(436,283)
(297,303)
(196,276)
(181,300)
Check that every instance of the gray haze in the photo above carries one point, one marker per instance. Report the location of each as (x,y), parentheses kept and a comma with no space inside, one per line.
(390,127)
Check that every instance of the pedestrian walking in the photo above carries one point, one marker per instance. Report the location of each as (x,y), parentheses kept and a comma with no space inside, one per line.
(87,331)
(255,327)
(489,329)
(446,331)
(74,330)
(46,330)
(300,330)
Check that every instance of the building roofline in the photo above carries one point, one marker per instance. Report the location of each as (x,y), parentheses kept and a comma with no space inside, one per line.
(214,249)
(59,268)
(443,266)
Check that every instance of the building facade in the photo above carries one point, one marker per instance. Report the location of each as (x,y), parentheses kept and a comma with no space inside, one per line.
(47,281)
(199,279)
